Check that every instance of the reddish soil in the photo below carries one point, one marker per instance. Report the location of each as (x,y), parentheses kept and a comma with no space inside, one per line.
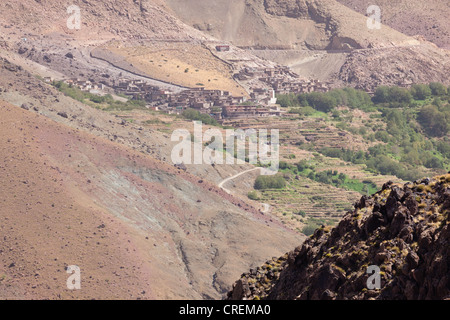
(137,228)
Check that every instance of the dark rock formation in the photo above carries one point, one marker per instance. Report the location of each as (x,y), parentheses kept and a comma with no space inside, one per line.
(402,230)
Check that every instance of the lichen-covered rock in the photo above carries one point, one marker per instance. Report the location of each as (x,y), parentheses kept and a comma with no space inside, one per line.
(403,230)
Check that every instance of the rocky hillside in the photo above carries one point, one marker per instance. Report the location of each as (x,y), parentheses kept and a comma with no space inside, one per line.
(412,17)
(322,39)
(100,20)
(323,24)
(404,230)
(368,69)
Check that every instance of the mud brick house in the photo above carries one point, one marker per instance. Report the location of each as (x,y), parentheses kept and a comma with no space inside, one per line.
(263,96)
(247,112)
(83,85)
(223,48)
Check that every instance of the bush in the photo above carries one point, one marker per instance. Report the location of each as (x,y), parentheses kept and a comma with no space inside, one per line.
(433,121)
(420,91)
(253,195)
(324,102)
(438,89)
(444,148)
(332,152)
(394,95)
(288,100)
(195,115)
(309,229)
(283,165)
(381,95)
(434,163)
(301,213)
(270,182)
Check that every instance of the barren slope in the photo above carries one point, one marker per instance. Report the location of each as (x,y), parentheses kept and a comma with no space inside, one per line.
(320,39)
(285,23)
(412,17)
(135,226)
(38,30)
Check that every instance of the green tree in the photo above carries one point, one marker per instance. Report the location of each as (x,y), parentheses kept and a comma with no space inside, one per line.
(438,89)
(270,182)
(433,121)
(420,91)
(381,95)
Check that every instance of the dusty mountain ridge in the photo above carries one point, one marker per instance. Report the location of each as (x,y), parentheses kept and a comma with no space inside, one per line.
(100,20)
(318,24)
(428,19)
(404,230)
(402,66)
(320,39)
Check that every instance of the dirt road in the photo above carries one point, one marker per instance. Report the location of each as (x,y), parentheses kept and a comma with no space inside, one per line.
(221,184)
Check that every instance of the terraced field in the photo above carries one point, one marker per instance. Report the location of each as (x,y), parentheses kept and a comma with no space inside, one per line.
(305,201)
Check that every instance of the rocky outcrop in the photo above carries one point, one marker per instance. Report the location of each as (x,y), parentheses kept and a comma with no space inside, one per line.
(344,28)
(412,17)
(288,8)
(402,230)
(368,69)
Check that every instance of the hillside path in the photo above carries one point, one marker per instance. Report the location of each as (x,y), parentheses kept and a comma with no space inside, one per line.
(220,185)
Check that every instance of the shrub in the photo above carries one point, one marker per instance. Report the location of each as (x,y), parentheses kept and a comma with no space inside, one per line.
(394,95)
(438,89)
(420,91)
(270,182)
(309,229)
(288,100)
(253,195)
(301,213)
(434,163)
(434,122)
(283,165)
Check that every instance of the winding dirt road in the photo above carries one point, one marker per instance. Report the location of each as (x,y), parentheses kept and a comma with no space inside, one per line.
(221,184)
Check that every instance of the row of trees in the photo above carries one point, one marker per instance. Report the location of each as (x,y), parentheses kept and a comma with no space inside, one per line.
(397,95)
(326,101)
(107,102)
(388,96)
(378,160)
(195,115)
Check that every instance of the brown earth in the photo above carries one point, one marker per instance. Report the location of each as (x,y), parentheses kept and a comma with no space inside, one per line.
(412,17)
(131,223)
(326,40)
(185,64)
(103,169)
(47,224)
(402,66)
(323,24)
(318,39)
